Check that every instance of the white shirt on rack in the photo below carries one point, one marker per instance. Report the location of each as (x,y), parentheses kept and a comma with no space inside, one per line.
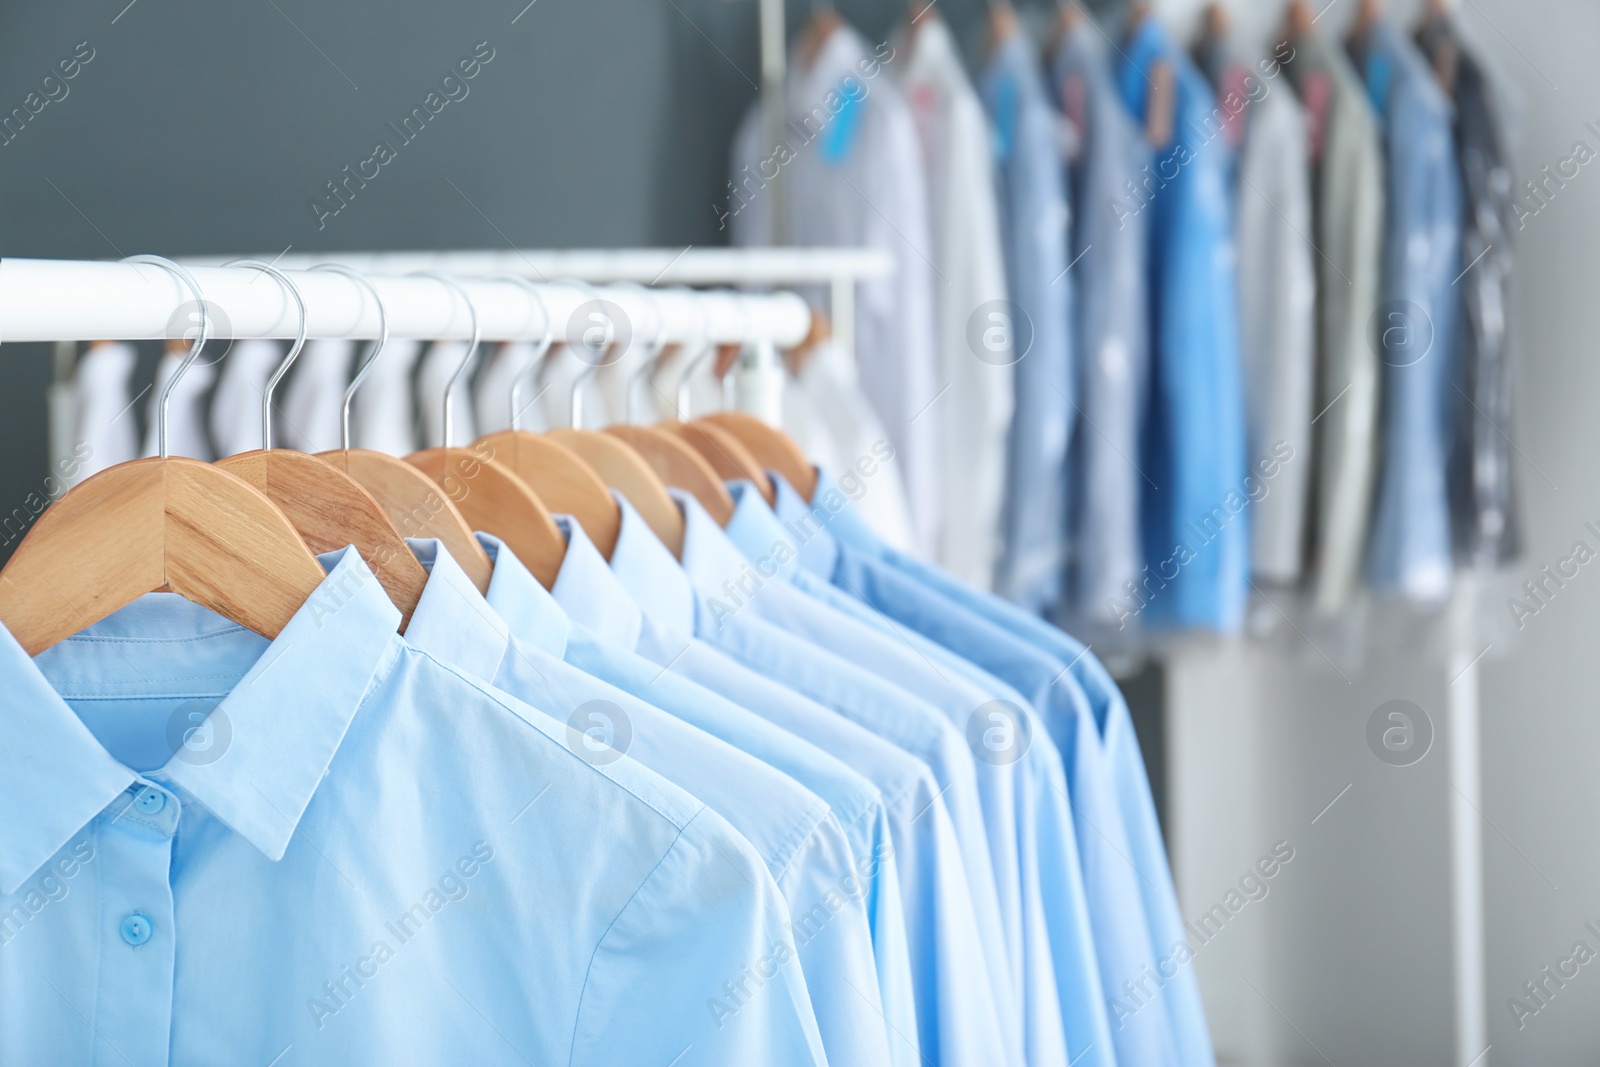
(103,420)
(438,365)
(831,420)
(853,177)
(236,405)
(186,419)
(309,418)
(957,157)
(383,417)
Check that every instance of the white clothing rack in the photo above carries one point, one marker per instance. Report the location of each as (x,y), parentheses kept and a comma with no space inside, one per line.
(67,300)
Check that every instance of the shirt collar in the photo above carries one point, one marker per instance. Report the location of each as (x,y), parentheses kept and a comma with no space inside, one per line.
(453,623)
(525,605)
(720,572)
(809,527)
(654,579)
(286,719)
(757,532)
(590,594)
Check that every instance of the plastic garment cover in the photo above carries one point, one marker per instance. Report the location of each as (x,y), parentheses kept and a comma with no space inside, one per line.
(975,416)
(1416,329)
(853,177)
(1034,219)
(1482,491)
(1347,212)
(104,428)
(1112,332)
(1277,296)
(1196,510)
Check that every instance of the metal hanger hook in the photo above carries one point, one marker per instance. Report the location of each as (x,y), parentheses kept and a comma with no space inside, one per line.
(466,360)
(372,356)
(294,349)
(575,397)
(652,355)
(535,365)
(187,279)
(709,349)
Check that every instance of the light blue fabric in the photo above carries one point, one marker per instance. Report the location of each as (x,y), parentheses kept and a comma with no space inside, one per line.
(1034,218)
(1196,513)
(830,513)
(1113,331)
(1008,788)
(803,843)
(358,854)
(957,1018)
(1417,333)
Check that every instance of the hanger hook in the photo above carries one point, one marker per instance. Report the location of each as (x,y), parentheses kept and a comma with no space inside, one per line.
(575,397)
(372,356)
(466,360)
(747,337)
(535,366)
(652,357)
(706,353)
(294,349)
(194,351)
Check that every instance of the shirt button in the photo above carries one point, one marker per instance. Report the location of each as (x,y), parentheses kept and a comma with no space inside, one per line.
(150,800)
(136,929)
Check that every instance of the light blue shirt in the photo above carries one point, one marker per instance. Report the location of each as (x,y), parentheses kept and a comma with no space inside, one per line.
(830,512)
(358,855)
(1034,219)
(791,827)
(1418,333)
(826,882)
(1008,783)
(1195,512)
(957,1019)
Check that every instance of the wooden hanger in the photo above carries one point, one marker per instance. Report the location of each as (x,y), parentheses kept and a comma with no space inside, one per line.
(326,506)
(678,465)
(623,469)
(1368,12)
(1160,113)
(726,453)
(414,504)
(824,20)
(1297,20)
(772,448)
(489,496)
(561,479)
(496,501)
(152,525)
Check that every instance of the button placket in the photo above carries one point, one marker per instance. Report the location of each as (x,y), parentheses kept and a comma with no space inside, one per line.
(137,972)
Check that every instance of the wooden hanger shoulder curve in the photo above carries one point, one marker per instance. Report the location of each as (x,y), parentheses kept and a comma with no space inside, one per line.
(150,525)
(726,454)
(494,500)
(330,510)
(774,449)
(559,478)
(624,470)
(416,506)
(679,466)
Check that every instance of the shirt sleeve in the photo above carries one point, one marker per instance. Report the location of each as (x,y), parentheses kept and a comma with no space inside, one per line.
(699,961)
